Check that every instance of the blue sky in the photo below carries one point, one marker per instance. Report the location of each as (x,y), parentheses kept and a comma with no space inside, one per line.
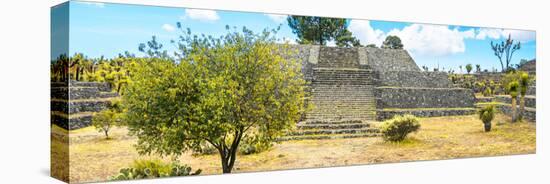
(98,29)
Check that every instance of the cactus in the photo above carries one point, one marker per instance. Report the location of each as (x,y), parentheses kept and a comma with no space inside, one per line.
(524,85)
(142,169)
(486,115)
(513,89)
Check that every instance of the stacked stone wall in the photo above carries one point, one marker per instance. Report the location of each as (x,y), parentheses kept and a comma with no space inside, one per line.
(73,103)
(389,97)
(413,79)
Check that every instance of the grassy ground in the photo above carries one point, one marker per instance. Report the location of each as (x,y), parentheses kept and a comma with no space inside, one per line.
(92,158)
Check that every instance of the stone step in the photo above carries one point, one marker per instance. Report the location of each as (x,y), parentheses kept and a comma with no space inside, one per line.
(80,93)
(332,126)
(340,110)
(334,131)
(342,121)
(76,84)
(369,117)
(338,116)
(73,121)
(325,136)
(342,82)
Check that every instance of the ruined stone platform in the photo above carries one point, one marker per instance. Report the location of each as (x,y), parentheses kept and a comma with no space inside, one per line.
(370,84)
(73,103)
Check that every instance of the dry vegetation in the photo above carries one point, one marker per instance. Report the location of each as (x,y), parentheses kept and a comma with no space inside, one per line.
(92,158)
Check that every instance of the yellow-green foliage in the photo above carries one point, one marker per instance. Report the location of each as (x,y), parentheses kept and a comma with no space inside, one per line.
(256,144)
(397,128)
(220,90)
(524,82)
(142,169)
(114,71)
(106,119)
(487,114)
(487,92)
(513,88)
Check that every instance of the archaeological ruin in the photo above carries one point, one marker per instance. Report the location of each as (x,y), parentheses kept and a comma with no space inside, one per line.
(349,87)
(73,103)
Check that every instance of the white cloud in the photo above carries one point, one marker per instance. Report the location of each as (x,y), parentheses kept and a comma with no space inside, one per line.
(495,33)
(363,31)
(484,33)
(168,27)
(433,40)
(419,39)
(202,15)
(100,5)
(277,18)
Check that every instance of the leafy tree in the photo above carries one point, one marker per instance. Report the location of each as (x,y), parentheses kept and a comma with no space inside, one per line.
(505,49)
(478,68)
(345,39)
(108,118)
(222,91)
(469,68)
(513,88)
(74,65)
(320,30)
(153,48)
(392,42)
(524,85)
(60,68)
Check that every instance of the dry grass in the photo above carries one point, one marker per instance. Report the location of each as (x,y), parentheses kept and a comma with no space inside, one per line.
(94,159)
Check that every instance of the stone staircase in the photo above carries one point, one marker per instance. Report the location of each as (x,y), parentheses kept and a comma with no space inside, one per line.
(332,130)
(342,98)
(342,94)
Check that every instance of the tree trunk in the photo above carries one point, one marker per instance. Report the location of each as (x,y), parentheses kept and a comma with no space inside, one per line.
(521,106)
(106,134)
(225,167)
(514,109)
(228,154)
(228,159)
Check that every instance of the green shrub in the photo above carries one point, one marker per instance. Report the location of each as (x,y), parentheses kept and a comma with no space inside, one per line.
(251,145)
(142,169)
(486,115)
(397,128)
(488,92)
(106,119)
